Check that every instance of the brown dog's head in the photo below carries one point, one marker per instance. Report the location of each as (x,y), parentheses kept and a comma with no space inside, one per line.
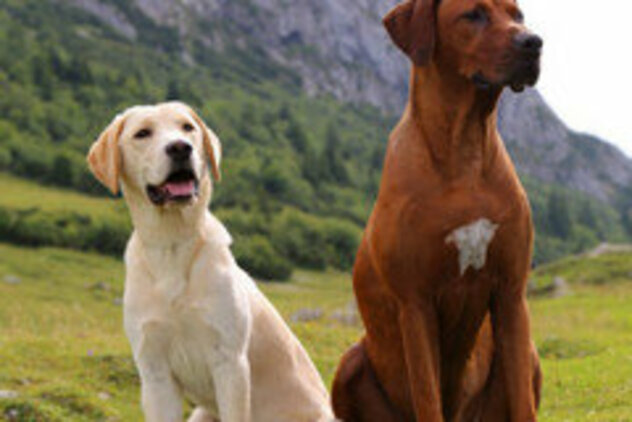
(158,152)
(484,41)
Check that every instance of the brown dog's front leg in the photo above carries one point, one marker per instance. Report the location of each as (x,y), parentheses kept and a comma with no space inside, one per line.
(512,337)
(419,327)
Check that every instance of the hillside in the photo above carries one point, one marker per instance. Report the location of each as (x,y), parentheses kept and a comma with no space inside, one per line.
(339,48)
(302,167)
(65,358)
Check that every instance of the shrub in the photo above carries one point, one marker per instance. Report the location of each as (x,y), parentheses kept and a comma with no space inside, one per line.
(34,227)
(314,242)
(257,256)
(299,237)
(341,239)
(109,237)
(5,158)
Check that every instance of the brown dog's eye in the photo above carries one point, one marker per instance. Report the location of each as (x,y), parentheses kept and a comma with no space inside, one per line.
(142,134)
(188,127)
(478,15)
(519,17)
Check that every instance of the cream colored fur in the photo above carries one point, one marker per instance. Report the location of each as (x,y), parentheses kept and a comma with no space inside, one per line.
(197,323)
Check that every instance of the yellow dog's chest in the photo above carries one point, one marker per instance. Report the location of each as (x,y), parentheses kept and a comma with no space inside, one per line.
(192,348)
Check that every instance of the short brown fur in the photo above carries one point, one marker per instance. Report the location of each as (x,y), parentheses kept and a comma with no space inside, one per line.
(441,346)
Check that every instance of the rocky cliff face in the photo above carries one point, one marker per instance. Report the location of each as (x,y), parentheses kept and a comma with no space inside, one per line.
(339,47)
(544,148)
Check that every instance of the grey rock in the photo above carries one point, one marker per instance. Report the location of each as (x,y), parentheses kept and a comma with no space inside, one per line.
(12,415)
(108,14)
(307,315)
(560,288)
(532,287)
(12,279)
(101,286)
(556,289)
(347,315)
(104,396)
(607,248)
(8,394)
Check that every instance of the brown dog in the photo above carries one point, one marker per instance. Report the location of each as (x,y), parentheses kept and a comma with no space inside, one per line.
(441,273)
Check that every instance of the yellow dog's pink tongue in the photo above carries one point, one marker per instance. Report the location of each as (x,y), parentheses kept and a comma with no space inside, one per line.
(180,188)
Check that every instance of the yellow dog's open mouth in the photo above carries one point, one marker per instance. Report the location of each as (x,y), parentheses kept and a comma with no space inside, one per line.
(180,186)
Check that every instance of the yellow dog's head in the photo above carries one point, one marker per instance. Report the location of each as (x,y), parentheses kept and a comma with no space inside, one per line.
(159,150)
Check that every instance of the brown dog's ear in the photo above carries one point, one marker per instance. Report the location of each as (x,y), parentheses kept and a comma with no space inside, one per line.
(212,145)
(412,27)
(104,158)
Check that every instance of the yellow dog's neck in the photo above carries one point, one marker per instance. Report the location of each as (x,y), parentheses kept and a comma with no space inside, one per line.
(171,225)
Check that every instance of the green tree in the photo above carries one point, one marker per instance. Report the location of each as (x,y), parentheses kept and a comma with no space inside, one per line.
(297,136)
(173,91)
(559,217)
(62,171)
(332,165)
(42,77)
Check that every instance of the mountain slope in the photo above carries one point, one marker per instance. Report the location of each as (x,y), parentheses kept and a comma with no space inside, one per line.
(301,170)
(340,48)
(336,46)
(544,148)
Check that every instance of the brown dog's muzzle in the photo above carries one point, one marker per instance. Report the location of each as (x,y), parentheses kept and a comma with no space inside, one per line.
(526,64)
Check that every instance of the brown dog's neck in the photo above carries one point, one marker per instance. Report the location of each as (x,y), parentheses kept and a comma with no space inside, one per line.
(456,120)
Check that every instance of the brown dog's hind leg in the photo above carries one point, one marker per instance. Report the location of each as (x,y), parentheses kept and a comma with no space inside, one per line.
(356,393)
(495,405)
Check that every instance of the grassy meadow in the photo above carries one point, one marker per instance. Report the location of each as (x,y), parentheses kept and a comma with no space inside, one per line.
(64,357)
(64,353)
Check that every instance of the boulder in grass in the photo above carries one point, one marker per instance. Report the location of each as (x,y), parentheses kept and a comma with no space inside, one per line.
(12,279)
(347,315)
(100,286)
(8,394)
(104,396)
(306,315)
(559,287)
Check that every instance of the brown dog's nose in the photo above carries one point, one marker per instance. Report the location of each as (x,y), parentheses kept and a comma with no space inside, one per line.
(179,150)
(528,42)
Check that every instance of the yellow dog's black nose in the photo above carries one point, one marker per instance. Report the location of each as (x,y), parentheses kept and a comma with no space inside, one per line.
(179,150)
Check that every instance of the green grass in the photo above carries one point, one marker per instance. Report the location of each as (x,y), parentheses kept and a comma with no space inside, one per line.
(62,345)
(585,339)
(63,349)
(18,193)
(602,269)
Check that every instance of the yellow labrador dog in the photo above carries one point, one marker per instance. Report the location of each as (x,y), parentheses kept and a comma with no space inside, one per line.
(197,323)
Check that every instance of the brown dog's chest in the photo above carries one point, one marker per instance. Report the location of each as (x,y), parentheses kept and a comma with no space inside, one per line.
(449,248)
(452,239)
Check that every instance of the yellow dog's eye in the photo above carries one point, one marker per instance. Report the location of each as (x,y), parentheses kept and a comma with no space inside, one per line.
(142,134)
(188,127)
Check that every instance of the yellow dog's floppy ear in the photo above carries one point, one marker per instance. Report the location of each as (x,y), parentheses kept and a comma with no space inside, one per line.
(412,27)
(104,158)
(212,145)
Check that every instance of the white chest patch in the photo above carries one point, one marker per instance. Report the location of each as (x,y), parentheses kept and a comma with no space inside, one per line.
(472,242)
